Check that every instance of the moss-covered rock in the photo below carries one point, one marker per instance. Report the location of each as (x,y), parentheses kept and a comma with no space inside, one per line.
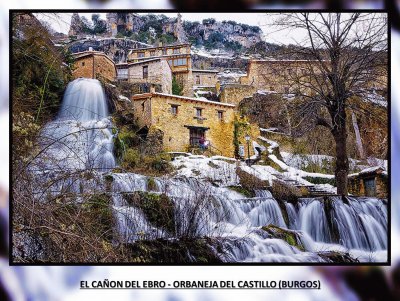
(242,190)
(291,237)
(285,192)
(171,251)
(158,208)
(151,184)
(337,257)
(249,181)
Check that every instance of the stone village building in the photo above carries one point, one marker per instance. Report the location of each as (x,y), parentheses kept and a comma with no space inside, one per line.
(178,57)
(93,64)
(185,120)
(148,72)
(278,75)
(154,68)
(371,182)
(204,78)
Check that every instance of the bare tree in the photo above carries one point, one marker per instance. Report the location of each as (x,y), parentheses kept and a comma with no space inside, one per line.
(345,61)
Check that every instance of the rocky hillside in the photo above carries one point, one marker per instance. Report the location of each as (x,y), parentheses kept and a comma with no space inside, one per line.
(115,48)
(152,29)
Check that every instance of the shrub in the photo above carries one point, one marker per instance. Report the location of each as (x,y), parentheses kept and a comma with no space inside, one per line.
(131,158)
(159,162)
(177,87)
(158,208)
(151,184)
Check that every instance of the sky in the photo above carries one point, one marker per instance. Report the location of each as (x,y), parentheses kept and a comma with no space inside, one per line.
(254,19)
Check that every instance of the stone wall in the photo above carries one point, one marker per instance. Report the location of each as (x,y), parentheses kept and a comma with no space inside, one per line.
(235,93)
(356,186)
(94,66)
(159,73)
(152,52)
(142,110)
(175,127)
(83,67)
(203,78)
(278,75)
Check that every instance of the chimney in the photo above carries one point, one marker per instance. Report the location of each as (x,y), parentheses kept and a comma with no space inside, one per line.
(152,89)
(160,44)
(90,48)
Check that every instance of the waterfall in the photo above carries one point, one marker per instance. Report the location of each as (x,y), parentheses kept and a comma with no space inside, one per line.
(313,220)
(78,149)
(80,138)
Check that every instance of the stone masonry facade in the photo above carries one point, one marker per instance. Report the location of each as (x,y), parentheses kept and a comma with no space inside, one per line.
(158,72)
(92,64)
(217,120)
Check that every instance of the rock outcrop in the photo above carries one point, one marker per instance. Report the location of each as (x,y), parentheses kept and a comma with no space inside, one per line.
(116,49)
(76,25)
(175,27)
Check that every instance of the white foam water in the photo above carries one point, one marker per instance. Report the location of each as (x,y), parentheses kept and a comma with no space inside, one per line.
(80,141)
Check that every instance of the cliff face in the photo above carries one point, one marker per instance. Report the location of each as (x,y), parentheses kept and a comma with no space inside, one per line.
(175,27)
(116,49)
(225,31)
(152,29)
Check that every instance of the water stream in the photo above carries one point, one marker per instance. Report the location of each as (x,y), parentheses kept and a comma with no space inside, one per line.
(80,140)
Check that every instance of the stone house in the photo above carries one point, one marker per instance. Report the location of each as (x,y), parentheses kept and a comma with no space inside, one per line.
(93,64)
(185,120)
(152,72)
(278,75)
(371,182)
(178,57)
(205,78)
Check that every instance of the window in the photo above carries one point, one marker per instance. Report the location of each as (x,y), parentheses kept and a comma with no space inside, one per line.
(174,109)
(286,90)
(140,54)
(164,51)
(152,53)
(176,51)
(197,79)
(198,112)
(180,62)
(83,64)
(209,78)
(220,115)
(145,71)
(122,73)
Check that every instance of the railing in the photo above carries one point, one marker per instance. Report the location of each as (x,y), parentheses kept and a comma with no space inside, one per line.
(196,148)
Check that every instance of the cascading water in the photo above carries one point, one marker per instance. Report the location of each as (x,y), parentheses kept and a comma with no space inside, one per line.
(80,139)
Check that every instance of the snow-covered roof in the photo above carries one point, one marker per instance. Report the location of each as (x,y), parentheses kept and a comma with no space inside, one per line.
(369,170)
(205,71)
(137,63)
(146,95)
